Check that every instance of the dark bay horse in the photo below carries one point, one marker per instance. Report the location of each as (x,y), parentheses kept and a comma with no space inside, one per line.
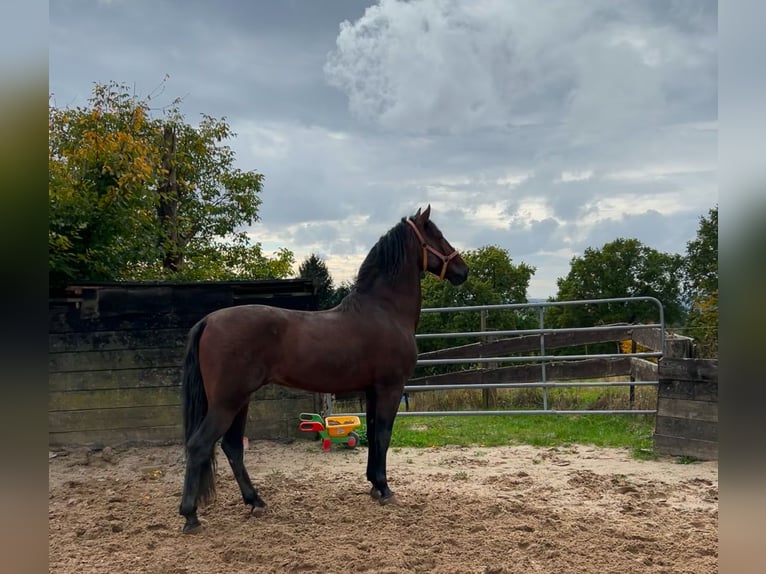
(366,343)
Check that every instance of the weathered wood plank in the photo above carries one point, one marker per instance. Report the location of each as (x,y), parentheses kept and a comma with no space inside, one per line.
(274,428)
(700,370)
(150,300)
(129,417)
(114,398)
(693,391)
(169,395)
(77,320)
(116,340)
(527,343)
(73,322)
(676,446)
(115,360)
(687,428)
(643,370)
(676,346)
(687,409)
(113,379)
(277,419)
(563,370)
(95,420)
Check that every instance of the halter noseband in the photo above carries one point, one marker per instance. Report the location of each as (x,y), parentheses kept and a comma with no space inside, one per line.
(426,248)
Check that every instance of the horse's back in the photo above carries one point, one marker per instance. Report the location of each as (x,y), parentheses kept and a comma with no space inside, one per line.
(330,350)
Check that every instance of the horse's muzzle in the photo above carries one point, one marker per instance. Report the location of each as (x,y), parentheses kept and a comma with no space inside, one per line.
(457,275)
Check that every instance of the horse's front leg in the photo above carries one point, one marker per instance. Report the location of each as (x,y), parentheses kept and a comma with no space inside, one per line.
(372,447)
(387,401)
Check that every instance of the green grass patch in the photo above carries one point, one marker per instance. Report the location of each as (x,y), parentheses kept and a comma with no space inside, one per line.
(619,431)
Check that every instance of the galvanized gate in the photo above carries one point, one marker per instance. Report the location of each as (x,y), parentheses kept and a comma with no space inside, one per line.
(654,332)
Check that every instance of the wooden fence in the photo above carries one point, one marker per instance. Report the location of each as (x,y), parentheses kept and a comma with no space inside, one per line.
(638,369)
(115,352)
(687,408)
(597,367)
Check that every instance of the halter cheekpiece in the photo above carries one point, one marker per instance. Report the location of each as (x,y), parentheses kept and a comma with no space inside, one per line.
(426,248)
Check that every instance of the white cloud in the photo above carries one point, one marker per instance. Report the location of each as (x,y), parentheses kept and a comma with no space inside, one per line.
(657,172)
(438,64)
(530,210)
(569,176)
(616,208)
(513,179)
(447,66)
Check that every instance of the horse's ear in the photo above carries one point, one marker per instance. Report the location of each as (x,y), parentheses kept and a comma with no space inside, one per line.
(427,213)
(417,215)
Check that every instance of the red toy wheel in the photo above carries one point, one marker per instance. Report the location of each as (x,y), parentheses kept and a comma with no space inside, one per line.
(353,440)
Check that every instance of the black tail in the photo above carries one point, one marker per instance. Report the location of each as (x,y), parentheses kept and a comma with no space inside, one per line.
(195,407)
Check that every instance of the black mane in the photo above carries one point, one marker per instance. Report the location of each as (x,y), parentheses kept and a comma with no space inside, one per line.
(386,257)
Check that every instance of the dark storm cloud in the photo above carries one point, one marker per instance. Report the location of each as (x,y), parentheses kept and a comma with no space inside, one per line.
(540,127)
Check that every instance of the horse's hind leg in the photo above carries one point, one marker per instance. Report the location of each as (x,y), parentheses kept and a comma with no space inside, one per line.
(199,481)
(234,450)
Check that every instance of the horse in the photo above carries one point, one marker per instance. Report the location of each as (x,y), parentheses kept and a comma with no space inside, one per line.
(366,343)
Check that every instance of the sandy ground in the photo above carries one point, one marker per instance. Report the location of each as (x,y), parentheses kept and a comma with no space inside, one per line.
(476,510)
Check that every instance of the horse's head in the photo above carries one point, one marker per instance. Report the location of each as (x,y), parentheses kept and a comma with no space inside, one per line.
(439,257)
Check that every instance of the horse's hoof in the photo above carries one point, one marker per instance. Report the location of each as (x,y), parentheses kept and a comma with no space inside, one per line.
(387,499)
(258,511)
(192,527)
(375,493)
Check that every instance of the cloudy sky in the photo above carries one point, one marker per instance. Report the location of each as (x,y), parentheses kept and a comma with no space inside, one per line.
(544,127)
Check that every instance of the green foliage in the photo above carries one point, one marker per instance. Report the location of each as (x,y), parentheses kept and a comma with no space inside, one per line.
(493,279)
(223,262)
(136,197)
(701,270)
(340,292)
(101,175)
(701,285)
(315,269)
(621,268)
(687,460)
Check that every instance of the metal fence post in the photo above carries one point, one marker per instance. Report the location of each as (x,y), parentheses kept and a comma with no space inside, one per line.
(632,389)
(488,396)
(541,311)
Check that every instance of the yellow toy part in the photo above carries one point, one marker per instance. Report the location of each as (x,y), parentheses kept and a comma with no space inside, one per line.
(341,425)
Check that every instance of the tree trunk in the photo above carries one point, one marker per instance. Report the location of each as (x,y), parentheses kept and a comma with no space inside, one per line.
(167,208)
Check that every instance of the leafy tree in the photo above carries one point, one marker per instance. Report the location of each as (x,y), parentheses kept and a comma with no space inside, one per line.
(493,279)
(701,284)
(136,197)
(621,268)
(341,291)
(314,268)
(101,175)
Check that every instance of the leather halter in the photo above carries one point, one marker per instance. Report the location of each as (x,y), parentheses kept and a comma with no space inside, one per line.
(426,248)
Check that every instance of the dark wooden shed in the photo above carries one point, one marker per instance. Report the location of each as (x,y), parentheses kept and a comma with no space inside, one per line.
(115,352)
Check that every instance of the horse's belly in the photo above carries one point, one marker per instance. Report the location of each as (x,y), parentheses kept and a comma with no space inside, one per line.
(326,374)
(339,371)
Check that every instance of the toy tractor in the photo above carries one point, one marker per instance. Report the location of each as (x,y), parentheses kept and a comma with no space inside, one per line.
(337,429)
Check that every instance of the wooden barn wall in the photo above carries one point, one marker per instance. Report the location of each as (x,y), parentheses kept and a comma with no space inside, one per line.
(687,408)
(115,353)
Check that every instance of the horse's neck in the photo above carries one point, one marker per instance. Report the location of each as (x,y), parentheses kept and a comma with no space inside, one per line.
(402,297)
